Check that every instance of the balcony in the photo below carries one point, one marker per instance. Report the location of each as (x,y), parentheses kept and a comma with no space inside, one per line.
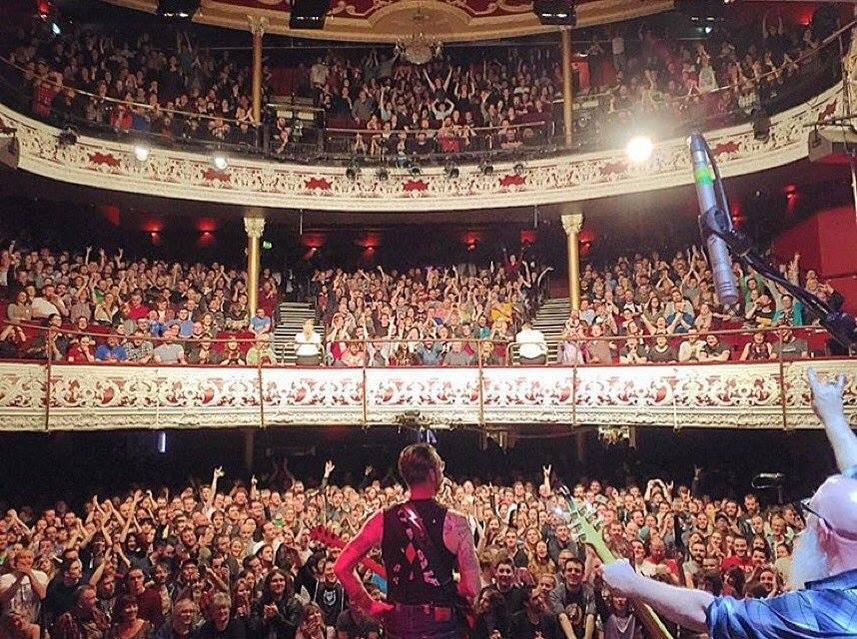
(315,176)
(41,396)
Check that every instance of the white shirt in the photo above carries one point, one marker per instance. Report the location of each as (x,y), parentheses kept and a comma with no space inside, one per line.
(43,308)
(532,343)
(25,601)
(307,346)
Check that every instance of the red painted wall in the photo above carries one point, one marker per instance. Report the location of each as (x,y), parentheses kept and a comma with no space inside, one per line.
(827,243)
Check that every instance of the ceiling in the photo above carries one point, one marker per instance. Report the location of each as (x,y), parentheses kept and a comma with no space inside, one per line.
(390,20)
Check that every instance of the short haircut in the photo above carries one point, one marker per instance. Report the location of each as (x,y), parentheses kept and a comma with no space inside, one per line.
(220,599)
(570,560)
(416,462)
(78,594)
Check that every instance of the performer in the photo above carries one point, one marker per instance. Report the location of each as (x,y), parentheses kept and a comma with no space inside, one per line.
(824,562)
(422,544)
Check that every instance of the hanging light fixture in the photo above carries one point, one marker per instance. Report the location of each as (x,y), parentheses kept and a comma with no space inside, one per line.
(419,48)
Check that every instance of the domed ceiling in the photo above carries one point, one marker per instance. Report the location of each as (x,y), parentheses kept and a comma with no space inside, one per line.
(390,20)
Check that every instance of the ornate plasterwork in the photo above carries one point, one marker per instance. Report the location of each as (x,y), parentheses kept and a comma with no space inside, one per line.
(123,397)
(379,21)
(111,165)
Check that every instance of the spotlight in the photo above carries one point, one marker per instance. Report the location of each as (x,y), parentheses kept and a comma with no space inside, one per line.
(519,168)
(141,152)
(486,168)
(382,174)
(561,13)
(414,169)
(177,9)
(639,149)
(353,170)
(55,28)
(451,171)
(67,137)
(220,161)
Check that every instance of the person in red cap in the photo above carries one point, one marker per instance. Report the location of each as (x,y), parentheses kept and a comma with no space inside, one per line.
(824,568)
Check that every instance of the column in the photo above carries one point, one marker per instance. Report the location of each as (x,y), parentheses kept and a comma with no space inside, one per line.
(567,86)
(254,226)
(258,24)
(573,223)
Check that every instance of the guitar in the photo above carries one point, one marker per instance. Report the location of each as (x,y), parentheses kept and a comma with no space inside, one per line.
(585,523)
(331,539)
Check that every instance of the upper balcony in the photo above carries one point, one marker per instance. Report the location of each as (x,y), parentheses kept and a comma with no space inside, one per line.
(325,169)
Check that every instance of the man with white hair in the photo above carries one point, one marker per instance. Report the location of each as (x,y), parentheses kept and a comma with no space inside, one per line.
(824,564)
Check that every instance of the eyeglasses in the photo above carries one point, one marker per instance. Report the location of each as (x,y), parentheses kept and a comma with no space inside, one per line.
(805,509)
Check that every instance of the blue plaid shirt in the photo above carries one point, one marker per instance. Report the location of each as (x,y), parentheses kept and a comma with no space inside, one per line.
(827,609)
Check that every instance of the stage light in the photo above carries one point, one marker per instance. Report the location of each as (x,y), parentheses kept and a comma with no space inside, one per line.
(141,152)
(177,9)
(561,13)
(55,29)
(220,161)
(67,137)
(639,149)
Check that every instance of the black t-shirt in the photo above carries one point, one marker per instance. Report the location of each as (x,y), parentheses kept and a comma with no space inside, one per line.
(356,629)
(331,599)
(521,627)
(59,598)
(514,598)
(667,355)
(235,629)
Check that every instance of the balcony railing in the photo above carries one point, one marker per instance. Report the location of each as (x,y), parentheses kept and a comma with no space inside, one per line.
(328,140)
(52,395)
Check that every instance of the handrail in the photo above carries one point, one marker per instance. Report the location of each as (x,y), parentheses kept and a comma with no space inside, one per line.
(366,343)
(319,143)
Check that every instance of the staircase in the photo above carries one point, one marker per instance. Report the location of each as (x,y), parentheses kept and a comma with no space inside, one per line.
(292,317)
(550,320)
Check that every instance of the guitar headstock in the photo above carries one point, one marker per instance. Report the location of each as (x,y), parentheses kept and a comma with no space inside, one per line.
(585,524)
(326,536)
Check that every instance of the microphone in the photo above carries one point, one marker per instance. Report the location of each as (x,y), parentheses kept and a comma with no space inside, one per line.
(713,218)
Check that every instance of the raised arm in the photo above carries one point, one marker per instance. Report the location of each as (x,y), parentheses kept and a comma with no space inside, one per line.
(827,402)
(683,606)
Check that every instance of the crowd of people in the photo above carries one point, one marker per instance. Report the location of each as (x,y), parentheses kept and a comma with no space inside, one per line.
(248,559)
(638,309)
(650,309)
(424,316)
(94,307)
(376,103)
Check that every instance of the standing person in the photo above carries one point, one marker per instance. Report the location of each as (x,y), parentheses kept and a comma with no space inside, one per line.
(84,620)
(128,624)
(824,564)
(277,613)
(422,596)
(308,345)
(23,589)
(221,623)
(573,601)
(532,347)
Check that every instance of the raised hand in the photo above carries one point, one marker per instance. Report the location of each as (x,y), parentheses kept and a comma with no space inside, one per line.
(826,397)
(547,470)
(328,468)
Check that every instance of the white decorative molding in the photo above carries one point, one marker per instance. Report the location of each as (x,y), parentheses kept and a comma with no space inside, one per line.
(109,397)
(111,165)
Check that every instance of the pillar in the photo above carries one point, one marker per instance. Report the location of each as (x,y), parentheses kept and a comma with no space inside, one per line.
(258,25)
(254,226)
(573,223)
(567,86)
